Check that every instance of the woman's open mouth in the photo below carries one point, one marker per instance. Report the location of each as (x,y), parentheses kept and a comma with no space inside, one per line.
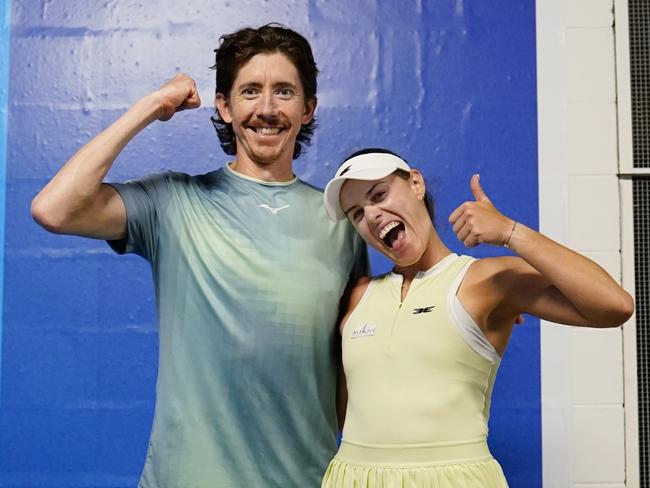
(391,233)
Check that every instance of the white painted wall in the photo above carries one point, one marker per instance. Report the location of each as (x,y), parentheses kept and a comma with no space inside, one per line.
(582,369)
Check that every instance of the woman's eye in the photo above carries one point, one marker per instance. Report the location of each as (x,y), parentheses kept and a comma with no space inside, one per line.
(378,196)
(357,214)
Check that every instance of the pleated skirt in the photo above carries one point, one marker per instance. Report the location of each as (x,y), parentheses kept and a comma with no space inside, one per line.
(468,465)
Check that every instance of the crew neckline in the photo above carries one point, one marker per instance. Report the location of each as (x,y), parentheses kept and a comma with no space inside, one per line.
(237,174)
(432,271)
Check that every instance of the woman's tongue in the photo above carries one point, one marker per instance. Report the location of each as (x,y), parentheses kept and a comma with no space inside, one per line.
(396,238)
(399,242)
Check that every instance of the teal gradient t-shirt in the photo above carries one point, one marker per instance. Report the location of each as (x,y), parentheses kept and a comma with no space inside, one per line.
(248,277)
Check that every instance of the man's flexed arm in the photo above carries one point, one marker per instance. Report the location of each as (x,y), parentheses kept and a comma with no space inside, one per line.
(76,201)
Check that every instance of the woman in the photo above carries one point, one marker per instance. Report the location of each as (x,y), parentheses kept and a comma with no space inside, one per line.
(422,344)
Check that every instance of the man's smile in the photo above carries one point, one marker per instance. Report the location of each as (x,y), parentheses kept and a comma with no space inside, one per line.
(266,131)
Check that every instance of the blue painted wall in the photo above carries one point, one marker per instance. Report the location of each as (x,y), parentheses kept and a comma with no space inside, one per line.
(5,36)
(450,85)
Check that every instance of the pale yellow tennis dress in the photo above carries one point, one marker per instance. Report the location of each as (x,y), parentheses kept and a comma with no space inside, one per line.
(419,377)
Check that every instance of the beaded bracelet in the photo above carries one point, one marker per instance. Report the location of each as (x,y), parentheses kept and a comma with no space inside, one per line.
(507,243)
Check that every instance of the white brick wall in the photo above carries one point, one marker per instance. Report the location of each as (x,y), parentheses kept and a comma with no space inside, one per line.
(592,137)
(590,13)
(594,229)
(583,418)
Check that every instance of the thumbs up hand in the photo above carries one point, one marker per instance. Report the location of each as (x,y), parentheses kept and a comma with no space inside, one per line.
(479,221)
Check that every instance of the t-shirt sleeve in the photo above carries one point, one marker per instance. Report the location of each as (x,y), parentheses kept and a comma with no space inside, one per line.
(145,200)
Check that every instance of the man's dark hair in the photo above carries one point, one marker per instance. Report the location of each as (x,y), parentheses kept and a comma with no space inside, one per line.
(236,49)
(428,199)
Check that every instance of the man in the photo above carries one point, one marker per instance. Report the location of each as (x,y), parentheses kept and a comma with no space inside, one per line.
(248,272)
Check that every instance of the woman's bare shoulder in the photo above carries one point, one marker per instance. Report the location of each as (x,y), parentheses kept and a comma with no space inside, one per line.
(358,290)
(498,276)
(501,266)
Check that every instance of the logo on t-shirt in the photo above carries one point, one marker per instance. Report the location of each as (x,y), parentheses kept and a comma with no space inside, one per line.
(274,211)
(365,330)
(423,310)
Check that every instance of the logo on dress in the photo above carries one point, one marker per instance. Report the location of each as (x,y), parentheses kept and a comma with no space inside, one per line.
(366,330)
(423,310)
(274,211)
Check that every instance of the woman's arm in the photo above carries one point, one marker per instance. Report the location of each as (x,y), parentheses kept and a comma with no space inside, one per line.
(357,292)
(547,279)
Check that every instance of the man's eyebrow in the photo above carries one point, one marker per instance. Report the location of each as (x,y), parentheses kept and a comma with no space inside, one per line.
(249,84)
(367,195)
(286,84)
(256,84)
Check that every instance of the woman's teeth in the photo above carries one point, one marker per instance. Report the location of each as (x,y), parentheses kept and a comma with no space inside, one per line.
(387,228)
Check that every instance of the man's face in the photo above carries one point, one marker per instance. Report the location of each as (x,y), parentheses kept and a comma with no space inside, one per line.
(266,108)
